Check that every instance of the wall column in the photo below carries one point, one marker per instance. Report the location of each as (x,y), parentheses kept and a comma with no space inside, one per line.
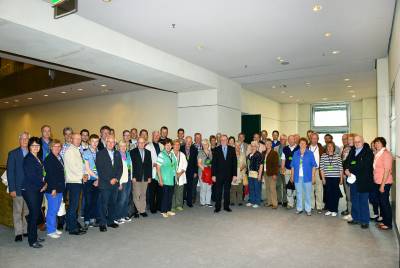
(383,99)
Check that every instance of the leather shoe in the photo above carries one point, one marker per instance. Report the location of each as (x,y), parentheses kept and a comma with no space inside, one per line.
(103,228)
(25,235)
(228,209)
(113,225)
(352,222)
(136,215)
(77,232)
(364,226)
(36,245)
(217,210)
(18,238)
(144,214)
(40,240)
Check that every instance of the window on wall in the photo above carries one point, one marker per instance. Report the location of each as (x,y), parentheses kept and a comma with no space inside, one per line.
(333,118)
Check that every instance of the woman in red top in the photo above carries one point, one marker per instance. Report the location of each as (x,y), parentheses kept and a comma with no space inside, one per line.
(383,180)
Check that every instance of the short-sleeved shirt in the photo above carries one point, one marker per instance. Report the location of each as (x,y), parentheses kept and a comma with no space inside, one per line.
(167,163)
(90,156)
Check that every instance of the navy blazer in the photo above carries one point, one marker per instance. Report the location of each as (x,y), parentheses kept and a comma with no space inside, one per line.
(141,170)
(223,168)
(15,170)
(106,170)
(55,176)
(33,171)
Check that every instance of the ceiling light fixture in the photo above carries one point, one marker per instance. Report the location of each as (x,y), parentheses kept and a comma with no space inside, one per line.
(349,86)
(327,34)
(6,102)
(283,92)
(16,100)
(353,96)
(352,91)
(335,52)
(273,86)
(29,98)
(45,95)
(347,79)
(63,92)
(103,85)
(324,99)
(107,1)
(80,89)
(317,8)
(290,96)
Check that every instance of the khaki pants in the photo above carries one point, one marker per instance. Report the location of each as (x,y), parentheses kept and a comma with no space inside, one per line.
(236,193)
(317,201)
(139,195)
(177,198)
(20,210)
(281,188)
(270,188)
(347,191)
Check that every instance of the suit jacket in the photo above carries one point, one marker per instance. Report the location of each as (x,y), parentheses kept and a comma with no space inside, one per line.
(142,170)
(192,167)
(15,170)
(106,170)
(224,169)
(33,174)
(55,176)
(100,146)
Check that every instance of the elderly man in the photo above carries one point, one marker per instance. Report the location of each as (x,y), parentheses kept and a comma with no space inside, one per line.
(15,177)
(317,188)
(242,142)
(67,133)
(286,160)
(109,169)
(155,191)
(360,164)
(280,184)
(224,170)
(74,175)
(141,175)
(191,152)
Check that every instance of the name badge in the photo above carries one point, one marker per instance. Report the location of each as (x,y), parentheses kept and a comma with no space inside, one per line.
(290,158)
(353,162)
(330,167)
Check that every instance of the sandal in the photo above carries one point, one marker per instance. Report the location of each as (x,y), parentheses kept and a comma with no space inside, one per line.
(384,227)
(379,224)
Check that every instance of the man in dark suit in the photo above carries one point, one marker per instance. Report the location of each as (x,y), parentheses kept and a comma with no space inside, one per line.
(141,175)
(224,170)
(190,152)
(104,133)
(109,169)
(15,177)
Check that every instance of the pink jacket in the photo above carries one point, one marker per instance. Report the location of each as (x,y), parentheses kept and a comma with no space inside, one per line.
(383,162)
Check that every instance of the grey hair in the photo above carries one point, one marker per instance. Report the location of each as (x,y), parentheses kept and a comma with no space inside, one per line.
(24,133)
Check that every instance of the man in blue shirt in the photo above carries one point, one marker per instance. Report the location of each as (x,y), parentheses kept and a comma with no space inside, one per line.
(45,142)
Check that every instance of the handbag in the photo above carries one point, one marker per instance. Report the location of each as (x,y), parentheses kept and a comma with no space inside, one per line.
(253,174)
(206,175)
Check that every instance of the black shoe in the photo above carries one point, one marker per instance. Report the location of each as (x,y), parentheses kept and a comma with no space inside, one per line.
(36,245)
(144,214)
(40,240)
(228,209)
(284,204)
(345,213)
(103,228)
(18,238)
(25,235)
(217,210)
(232,204)
(113,225)
(352,222)
(240,204)
(136,215)
(364,226)
(76,232)
(83,230)
(190,206)
(152,212)
(279,203)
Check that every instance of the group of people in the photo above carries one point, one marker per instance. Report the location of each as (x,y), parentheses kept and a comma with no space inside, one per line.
(109,183)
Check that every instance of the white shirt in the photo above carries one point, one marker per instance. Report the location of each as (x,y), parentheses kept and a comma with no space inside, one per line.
(315,150)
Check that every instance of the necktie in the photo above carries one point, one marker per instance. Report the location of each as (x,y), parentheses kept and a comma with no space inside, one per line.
(224,150)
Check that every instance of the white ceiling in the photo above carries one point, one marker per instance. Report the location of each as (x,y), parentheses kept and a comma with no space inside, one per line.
(227,35)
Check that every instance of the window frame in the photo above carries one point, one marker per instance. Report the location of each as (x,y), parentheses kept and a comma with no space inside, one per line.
(330,129)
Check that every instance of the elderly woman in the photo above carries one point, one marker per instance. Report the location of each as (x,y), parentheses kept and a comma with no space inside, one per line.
(166,172)
(383,180)
(332,175)
(55,179)
(271,171)
(204,159)
(125,185)
(303,169)
(32,189)
(237,184)
(255,169)
(180,179)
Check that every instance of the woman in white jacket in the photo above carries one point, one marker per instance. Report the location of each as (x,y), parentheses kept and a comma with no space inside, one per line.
(180,179)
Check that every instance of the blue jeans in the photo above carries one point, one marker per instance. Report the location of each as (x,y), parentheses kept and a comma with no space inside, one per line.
(53,205)
(91,196)
(303,188)
(73,190)
(359,205)
(254,191)
(123,200)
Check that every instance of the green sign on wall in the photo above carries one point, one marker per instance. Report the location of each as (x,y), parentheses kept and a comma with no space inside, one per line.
(56,2)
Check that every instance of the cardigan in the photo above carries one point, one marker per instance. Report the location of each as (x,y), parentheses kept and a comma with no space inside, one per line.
(308,163)
(181,165)
(271,163)
(382,162)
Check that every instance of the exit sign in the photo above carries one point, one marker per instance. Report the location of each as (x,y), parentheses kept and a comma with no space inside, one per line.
(56,2)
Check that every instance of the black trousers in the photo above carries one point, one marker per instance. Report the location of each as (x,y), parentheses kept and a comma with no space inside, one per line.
(222,185)
(188,190)
(108,201)
(33,200)
(332,194)
(166,203)
(384,205)
(155,196)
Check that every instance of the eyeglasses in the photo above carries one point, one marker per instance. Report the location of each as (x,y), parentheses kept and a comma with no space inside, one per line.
(35,145)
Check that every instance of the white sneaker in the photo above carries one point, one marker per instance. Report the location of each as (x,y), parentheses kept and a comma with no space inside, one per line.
(53,235)
(58,232)
(127,219)
(122,220)
(328,213)
(119,222)
(255,206)
(165,215)
(249,204)
(334,214)
(170,213)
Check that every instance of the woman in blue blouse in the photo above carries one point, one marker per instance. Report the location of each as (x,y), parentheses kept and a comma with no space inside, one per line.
(303,175)
(32,188)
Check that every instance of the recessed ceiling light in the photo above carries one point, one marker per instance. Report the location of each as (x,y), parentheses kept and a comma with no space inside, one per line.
(173,25)
(103,85)
(80,89)
(273,86)
(107,1)
(63,92)
(200,47)
(347,79)
(327,34)
(353,96)
(317,8)
(283,92)
(349,86)
(324,99)
(29,98)
(246,66)
(290,96)
(335,52)
(285,62)
(45,95)
(16,100)
(352,91)
(6,102)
